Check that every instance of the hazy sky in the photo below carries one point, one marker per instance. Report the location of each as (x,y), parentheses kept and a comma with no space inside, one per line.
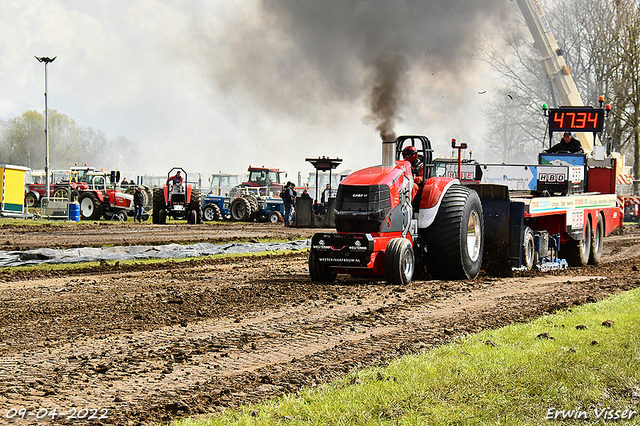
(217,85)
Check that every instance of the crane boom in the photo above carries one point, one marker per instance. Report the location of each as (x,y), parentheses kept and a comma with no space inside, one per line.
(553,63)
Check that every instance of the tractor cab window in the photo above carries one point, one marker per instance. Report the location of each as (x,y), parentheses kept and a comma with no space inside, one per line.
(274,177)
(98,182)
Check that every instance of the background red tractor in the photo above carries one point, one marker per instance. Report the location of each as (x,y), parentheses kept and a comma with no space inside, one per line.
(102,199)
(178,201)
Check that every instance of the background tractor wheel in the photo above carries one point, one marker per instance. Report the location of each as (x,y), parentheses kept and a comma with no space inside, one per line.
(577,252)
(211,212)
(162,217)
(192,217)
(275,217)
(158,205)
(195,205)
(61,193)
(30,200)
(90,206)
(318,272)
(455,239)
(146,196)
(254,206)
(240,209)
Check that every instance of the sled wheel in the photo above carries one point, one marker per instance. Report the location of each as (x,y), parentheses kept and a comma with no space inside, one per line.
(90,206)
(578,252)
(455,239)
(399,262)
(528,249)
(597,242)
(275,217)
(318,272)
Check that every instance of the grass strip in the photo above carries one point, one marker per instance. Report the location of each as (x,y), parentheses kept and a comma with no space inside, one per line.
(574,367)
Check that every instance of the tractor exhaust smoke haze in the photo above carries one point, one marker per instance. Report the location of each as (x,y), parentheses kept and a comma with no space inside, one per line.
(386,95)
(322,62)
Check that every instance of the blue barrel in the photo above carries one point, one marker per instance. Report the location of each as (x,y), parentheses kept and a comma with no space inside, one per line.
(74,212)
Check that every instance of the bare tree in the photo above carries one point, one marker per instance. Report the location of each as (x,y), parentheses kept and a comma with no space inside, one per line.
(600,40)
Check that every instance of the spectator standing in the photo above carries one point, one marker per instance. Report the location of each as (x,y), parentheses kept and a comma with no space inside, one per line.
(288,196)
(138,200)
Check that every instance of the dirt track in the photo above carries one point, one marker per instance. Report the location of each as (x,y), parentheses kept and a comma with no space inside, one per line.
(190,338)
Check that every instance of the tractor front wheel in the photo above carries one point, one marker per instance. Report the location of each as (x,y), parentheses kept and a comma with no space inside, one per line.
(275,217)
(318,272)
(399,262)
(162,217)
(211,212)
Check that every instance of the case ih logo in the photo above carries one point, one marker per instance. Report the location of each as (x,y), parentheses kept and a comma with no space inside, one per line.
(552,177)
(359,195)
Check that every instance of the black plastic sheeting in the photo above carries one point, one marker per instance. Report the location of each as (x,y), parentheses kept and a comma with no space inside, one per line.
(170,251)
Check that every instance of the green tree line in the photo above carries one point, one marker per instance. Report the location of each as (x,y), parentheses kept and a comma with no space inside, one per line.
(22,143)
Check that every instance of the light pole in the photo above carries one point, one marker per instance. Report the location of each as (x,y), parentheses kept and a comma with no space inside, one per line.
(46,121)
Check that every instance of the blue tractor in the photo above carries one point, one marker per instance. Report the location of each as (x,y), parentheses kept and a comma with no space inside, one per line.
(244,208)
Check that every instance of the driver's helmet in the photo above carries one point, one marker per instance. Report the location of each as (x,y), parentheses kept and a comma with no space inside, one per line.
(410,154)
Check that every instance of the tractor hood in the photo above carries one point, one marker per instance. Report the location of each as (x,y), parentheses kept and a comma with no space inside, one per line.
(378,175)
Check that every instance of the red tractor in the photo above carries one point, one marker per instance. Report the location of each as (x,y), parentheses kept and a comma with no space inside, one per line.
(385,230)
(102,199)
(262,181)
(179,200)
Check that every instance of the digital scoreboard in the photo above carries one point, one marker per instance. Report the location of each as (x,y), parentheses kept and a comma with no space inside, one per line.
(576,119)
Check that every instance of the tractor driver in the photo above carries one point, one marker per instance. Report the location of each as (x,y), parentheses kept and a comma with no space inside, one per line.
(410,154)
(175,180)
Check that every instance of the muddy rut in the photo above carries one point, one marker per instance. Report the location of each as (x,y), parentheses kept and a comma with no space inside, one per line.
(138,344)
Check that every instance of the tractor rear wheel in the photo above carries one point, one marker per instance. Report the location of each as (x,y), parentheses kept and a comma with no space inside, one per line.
(318,272)
(211,212)
(577,252)
(240,209)
(195,205)
(399,262)
(158,204)
(455,239)
(253,201)
(91,207)
(597,242)
(30,200)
